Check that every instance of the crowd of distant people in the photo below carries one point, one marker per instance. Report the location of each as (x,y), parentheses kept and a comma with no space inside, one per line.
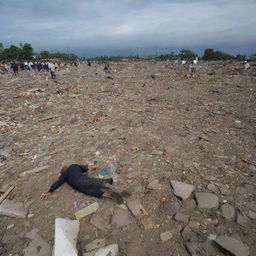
(38,66)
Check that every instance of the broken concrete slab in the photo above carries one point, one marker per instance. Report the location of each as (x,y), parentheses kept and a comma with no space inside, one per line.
(66,232)
(87,211)
(136,208)
(38,247)
(233,245)
(228,211)
(206,200)
(95,244)
(182,190)
(13,209)
(110,250)
(165,236)
(120,218)
(188,234)
(181,217)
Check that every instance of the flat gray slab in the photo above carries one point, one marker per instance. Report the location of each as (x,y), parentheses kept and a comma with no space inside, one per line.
(95,244)
(228,211)
(110,250)
(38,247)
(181,217)
(182,190)
(12,209)
(206,200)
(135,207)
(121,218)
(233,245)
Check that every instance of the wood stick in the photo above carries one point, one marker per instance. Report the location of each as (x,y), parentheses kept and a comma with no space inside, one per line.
(6,194)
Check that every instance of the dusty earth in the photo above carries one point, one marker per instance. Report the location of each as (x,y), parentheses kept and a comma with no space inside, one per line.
(147,122)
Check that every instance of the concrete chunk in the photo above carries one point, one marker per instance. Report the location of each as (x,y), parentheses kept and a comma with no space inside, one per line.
(182,190)
(165,236)
(110,250)
(95,244)
(228,211)
(206,200)
(87,211)
(120,218)
(233,245)
(136,208)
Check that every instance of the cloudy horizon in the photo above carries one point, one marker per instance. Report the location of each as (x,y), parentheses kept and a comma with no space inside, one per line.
(130,27)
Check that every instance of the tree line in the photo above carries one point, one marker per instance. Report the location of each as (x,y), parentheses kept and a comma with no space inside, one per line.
(209,54)
(26,52)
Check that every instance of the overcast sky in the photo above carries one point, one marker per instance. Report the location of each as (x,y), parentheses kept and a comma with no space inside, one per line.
(90,27)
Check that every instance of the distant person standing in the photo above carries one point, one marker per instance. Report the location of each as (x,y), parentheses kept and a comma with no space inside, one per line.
(51,67)
(15,68)
(246,65)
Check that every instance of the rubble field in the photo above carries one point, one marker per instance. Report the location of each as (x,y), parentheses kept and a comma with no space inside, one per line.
(184,148)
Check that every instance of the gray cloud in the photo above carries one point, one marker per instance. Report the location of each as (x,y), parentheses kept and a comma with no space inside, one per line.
(129,24)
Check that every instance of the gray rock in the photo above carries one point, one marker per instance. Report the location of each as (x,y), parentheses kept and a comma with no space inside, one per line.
(110,250)
(135,207)
(99,222)
(38,247)
(95,244)
(242,220)
(182,190)
(212,188)
(189,205)
(165,236)
(189,235)
(221,230)
(252,215)
(181,217)
(171,207)
(233,245)
(194,249)
(228,211)
(206,200)
(121,218)
(12,209)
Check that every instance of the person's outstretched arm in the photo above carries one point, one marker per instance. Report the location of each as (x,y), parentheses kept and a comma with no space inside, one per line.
(55,185)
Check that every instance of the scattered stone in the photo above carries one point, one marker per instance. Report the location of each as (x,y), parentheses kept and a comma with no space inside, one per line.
(33,171)
(206,200)
(136,208)
(228,211)
(189,205)
(110,250)
(32,233)
(10,226)
(225,190)
(97,243)
(232,245)
(193,248)
(99,222)
(87,211)
(212,237)
(165,236)
(252,215)
(242,220)
(171,207)
(4,154)
(154,185)
(182,190)
(12,209)
(2,250)
(38,247)
(212,188)
(120,218)
(188,234)
(181,217)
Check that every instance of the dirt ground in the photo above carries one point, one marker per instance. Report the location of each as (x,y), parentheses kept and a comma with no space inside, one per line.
(148,122)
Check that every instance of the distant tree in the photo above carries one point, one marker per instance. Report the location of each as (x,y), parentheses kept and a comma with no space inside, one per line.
(210,54)
(253,56)
(1,47)
(11,53)
(26,51)
(44,54)
(187,55)
(240,57)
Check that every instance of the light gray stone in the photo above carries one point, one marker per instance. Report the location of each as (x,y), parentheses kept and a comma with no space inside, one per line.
(32,233)
(154,185)
(228,211)
(212,188)
(188,234)
(135,207)
(38,247)
(110,250)
(181,217)
(182,190)
(121,218)
(242,220)
(233,245)
(12,209)
(252,215)
(206,200)
(165,236)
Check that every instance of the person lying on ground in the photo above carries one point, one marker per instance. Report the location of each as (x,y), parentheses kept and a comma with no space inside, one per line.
(77,176)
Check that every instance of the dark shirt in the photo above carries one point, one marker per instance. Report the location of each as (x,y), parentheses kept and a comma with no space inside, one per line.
(72,176)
